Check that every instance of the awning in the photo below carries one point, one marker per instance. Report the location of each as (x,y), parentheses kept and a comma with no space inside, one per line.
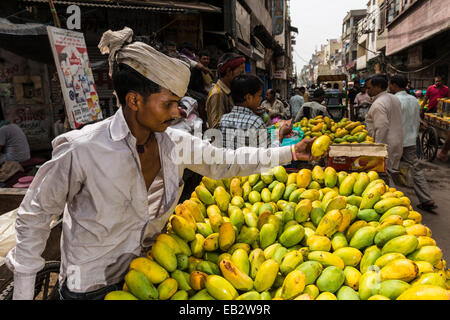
(149,5)
(29,40)
(22,29)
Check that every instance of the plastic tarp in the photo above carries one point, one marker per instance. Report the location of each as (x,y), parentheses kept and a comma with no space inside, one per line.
(22,29)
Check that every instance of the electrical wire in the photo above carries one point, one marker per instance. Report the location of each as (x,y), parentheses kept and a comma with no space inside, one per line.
(421,69)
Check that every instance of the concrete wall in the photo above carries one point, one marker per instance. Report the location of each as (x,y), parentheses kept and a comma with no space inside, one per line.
(260,11)
(426,19)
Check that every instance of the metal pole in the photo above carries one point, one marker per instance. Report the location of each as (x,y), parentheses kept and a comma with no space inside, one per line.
(54,14)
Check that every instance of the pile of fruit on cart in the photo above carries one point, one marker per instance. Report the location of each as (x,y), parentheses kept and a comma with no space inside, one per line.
(313,235)
(344,131)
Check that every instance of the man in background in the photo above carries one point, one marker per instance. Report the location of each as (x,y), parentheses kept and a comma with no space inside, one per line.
(273,106)
(13,143)
(314,108)
(410,124)
(305,94)
(296,101)
(383,122)
(219,101)
(435,92)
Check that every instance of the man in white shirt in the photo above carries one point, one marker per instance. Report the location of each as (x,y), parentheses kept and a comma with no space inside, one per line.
(119,180)
(296,102)
(314,108)
(383,122)
(273,106)
(410,125)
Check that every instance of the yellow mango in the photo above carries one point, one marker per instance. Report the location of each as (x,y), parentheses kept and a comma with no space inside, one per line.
(425,292)
(167,289)
(222,198)
(162,254)
(235,187)
(330,223)
(400,269)
(432,254)
(326,259)
(352,277)
(265,277)
(293,285)
(227,236)
(154,272)
(239,279)
(350,256)
(220,288)
(304,177)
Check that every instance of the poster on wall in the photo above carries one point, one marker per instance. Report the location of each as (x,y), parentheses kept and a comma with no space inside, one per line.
(34,120)
(75,76)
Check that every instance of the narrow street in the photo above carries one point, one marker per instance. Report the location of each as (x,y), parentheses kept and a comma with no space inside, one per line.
(438,177)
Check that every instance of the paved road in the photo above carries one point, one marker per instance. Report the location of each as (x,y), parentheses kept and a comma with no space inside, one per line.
(438,177)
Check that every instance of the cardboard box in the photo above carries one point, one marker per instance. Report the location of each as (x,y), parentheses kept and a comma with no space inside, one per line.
(358,157)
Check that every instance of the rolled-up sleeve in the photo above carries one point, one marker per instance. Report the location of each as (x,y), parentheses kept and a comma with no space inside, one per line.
(55,183)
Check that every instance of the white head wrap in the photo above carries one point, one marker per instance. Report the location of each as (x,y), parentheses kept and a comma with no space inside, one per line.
(169,73)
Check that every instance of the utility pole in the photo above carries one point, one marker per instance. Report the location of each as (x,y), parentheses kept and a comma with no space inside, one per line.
(54,14)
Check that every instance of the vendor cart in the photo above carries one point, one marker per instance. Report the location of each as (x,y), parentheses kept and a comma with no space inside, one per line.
(46,285)
(434,131)
(336,111)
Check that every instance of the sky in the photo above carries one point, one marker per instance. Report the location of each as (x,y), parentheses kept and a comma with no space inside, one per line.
(317,21)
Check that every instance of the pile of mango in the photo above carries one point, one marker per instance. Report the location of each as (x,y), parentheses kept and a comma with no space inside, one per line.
(342,132)
(312,235)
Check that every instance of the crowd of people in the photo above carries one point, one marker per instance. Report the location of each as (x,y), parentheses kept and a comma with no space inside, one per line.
(118,180)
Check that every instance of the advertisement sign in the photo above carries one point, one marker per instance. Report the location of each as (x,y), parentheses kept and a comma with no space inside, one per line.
(278,17)
(75,75)
(280,74)
(34,120)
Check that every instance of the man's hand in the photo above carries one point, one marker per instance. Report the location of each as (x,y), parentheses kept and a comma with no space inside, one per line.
(285,130)
(303,150)
(203,68)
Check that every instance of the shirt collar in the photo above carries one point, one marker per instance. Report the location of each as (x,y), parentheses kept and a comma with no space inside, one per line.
(242,109)
(379,95)
(119,127)
(223,87)
(401,93)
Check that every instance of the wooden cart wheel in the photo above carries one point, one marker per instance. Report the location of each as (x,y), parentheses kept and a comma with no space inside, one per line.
(419,150)
(46,286)
(430,144)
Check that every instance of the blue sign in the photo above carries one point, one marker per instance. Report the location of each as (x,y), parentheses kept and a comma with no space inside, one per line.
(278,17)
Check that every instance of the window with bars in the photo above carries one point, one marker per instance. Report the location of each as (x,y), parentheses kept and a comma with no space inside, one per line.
(397,7)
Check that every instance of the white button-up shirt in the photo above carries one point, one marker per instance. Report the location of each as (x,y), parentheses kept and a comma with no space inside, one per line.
(384,124)
(410,118)
(95,178)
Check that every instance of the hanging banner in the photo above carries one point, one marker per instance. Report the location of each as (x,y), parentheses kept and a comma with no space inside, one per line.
(278,17)
(75,75)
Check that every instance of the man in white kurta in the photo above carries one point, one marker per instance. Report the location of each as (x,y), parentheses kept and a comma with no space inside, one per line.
(384,120)
(97,178)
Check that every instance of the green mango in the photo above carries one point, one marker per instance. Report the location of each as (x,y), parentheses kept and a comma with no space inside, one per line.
(392,289)
(292,235)
(389,233)
(311,270)
(139,286)
(368,215)
(347,293)
(363,237)
(331,279)
(371,254)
